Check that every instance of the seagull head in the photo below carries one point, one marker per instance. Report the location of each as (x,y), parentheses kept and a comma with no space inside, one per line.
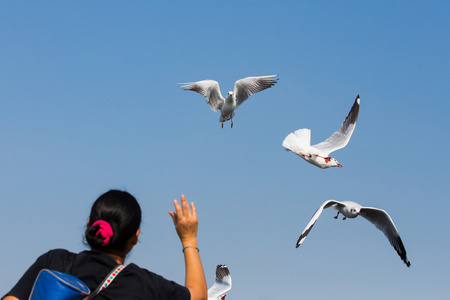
(335,163)
(354,212)
(230,97)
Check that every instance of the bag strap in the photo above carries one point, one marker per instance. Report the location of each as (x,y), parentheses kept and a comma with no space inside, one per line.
(107,281)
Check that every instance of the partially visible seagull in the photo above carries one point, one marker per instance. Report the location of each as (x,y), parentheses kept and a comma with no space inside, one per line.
(299,141)
(221,285)
(376,216)
(243,89)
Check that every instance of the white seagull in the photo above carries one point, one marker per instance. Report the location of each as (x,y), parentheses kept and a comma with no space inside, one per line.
(376,216)
(299,141)
(221,285)
(243,89)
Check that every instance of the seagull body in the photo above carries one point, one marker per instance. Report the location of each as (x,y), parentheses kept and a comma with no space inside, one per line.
(376,216)
(243,89)
(299,141)
(221,285)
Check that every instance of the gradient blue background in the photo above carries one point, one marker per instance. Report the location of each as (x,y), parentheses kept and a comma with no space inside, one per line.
(89,102)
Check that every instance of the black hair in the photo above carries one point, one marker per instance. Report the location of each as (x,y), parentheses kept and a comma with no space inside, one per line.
(122,211)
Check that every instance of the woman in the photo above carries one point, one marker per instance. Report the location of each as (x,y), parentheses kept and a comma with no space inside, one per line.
(112,231)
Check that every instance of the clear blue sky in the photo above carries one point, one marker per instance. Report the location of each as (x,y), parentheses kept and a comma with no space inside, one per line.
(89,102)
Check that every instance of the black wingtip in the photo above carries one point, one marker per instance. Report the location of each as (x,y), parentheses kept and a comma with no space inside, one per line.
(300,238)
(406,261)
(221,272)
(354,111)
(401,251)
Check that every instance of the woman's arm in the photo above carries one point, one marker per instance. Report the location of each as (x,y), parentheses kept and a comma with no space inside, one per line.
(186,224)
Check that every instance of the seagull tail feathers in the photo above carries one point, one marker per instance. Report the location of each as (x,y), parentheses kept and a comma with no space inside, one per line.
(298,141)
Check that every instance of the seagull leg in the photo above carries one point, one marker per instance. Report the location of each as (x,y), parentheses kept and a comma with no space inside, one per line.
(231,122)
(336,216)
(344,218)
(222,124)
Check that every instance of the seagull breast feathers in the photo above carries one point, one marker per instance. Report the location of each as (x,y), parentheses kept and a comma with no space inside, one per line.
(244,88)
(208,88)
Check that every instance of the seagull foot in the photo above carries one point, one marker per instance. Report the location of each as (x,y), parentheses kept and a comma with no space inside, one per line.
(231,123)
(336,216)
(222,124)
(344,218)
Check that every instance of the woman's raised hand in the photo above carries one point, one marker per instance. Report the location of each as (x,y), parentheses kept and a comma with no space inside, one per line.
(185,221)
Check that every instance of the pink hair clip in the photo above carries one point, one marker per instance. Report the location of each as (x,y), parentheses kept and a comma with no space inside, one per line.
(105,231)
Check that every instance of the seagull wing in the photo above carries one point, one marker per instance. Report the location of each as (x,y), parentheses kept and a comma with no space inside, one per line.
(314,218)
(383,222)
(208,88)
(244,88)
(222,283)
(340,138)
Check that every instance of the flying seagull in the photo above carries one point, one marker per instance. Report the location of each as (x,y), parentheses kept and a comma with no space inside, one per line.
(243,89)
(376,216)
(221,285)
(299,141)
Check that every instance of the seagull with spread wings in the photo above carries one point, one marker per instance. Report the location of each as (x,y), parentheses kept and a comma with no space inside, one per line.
(299,141)
(376,216)
(243,89)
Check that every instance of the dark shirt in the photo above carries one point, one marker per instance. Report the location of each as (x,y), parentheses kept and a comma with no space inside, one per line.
(92,268)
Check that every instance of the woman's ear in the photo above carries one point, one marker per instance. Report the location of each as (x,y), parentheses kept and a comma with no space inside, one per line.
(135,237)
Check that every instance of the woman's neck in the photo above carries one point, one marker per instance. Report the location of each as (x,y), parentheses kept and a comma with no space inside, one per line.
(119,258)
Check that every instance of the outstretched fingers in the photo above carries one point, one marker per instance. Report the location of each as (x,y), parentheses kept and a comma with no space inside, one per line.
(184,204)
(194,210)
(185,219)
(181,211)
(176,213)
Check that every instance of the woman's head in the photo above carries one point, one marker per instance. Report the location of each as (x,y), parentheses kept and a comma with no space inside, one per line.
(115,218)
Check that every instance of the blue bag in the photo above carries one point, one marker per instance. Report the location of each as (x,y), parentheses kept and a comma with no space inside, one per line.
(54,285)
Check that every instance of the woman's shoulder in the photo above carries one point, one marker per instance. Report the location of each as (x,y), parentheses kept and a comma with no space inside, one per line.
(147,275)
(55,259)
(135,268)
(155,284)
(59,252)
(56,254)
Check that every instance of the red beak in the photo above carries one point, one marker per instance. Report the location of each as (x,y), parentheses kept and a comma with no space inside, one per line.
(339,165)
